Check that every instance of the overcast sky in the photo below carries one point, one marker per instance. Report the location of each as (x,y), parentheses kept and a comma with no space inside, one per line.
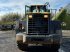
(7,6)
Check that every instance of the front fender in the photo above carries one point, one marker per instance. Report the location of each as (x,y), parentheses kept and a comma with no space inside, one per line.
(20,37)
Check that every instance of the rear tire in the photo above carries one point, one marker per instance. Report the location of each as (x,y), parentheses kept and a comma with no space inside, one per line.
(22,46)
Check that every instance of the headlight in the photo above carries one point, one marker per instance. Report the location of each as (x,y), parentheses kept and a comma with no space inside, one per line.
(30,16)
(45,16)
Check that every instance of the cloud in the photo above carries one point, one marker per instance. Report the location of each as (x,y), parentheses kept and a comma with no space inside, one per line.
(4,1)
(9,1)
(7,6)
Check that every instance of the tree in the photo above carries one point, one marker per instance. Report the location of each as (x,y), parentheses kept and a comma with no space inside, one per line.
(24,18)
(11,17)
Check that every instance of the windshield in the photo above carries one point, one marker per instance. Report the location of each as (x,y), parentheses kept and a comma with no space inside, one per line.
(38,8)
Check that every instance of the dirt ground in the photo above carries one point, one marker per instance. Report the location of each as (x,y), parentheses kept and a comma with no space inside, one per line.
(8,43)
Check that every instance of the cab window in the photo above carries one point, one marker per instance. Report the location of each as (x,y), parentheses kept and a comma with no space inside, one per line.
(38,9)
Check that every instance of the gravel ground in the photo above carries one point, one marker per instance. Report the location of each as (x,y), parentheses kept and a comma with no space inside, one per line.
(8,43)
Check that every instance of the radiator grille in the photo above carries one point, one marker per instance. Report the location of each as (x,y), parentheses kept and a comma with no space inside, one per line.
(38,25)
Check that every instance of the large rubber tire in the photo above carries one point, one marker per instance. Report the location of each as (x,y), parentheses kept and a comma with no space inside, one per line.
(52,47)
(55,47)
(22,47)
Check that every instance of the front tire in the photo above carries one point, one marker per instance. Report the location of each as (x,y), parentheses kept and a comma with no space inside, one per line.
(22,46)
(53,47)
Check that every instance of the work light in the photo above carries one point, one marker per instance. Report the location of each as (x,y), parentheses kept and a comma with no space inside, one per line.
(45,16)
(30,16)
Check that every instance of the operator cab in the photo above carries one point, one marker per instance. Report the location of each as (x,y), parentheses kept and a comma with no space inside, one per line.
(40,8)
(37,8)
